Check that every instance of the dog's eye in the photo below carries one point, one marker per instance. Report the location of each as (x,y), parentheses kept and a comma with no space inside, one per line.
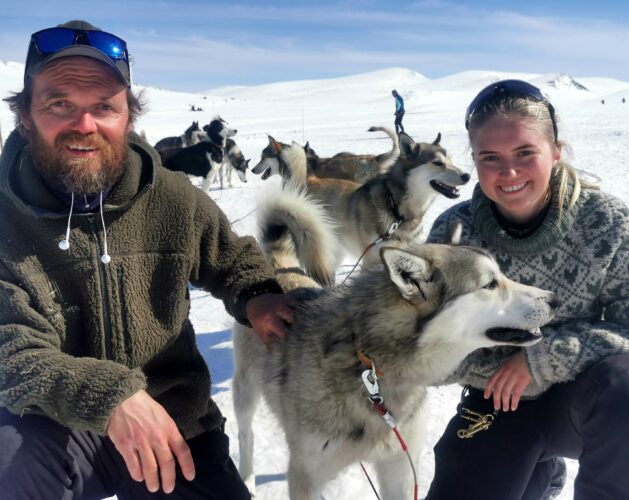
(438,163)
(492,284)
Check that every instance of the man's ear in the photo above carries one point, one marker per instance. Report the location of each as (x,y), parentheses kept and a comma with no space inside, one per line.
(25,120)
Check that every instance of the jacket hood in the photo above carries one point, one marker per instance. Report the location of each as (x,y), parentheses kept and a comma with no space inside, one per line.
(23,186)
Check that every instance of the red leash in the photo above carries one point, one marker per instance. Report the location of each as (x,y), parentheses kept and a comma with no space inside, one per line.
(370,379)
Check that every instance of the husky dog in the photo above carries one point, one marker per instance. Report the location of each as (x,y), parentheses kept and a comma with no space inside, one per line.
(233,159)
(217,131)
(204,159)
(170,145)
(389,206)
(416,317)
(286,160)
(357,168)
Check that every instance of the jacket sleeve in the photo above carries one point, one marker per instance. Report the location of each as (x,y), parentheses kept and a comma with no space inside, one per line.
(570,347)
(231,267)
(36,376)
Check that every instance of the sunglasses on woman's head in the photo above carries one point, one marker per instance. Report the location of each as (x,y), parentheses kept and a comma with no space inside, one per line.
(509,88)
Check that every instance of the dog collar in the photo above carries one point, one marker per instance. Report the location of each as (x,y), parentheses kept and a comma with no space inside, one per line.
(394,208)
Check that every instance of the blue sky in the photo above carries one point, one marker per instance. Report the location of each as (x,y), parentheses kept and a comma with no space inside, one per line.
(196,45)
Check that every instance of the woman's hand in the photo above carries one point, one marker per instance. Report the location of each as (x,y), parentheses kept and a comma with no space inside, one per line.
(509,382)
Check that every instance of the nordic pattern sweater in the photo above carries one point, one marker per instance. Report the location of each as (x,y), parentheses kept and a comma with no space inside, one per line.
(78,337)
(584,257)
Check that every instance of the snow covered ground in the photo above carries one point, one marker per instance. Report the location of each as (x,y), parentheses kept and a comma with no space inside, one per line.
(334,116)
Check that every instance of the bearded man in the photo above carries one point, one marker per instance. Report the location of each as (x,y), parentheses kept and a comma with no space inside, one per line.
(102,388)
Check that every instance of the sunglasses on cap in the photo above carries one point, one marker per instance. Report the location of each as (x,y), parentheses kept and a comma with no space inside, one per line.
(46,45)
(509,88)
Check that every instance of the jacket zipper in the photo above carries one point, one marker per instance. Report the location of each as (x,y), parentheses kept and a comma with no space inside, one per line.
(123,311)
(103,286)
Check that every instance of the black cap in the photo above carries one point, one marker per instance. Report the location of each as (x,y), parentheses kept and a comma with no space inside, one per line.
(121,68)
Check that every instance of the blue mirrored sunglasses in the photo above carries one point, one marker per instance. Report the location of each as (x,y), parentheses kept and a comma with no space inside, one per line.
(46,42)
(52,40)
(509,88)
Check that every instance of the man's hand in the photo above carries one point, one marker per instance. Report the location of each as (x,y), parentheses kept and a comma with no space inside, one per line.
(268,315)
(509,382)
(149,441)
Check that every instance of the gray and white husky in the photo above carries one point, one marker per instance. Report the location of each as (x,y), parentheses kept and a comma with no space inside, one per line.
(416,317)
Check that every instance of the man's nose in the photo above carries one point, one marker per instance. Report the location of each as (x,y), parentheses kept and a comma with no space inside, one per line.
(85,124)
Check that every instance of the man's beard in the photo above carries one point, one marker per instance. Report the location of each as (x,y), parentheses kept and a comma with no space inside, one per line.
(79,175)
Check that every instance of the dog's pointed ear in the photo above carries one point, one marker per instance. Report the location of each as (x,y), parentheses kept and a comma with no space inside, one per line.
(437,140)
(277,147)
(407,144)
(454,233)
(406,270)
(307,146)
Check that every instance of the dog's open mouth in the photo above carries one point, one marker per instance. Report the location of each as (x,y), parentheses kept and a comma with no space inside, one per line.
(513,335)
(447,191)
(266,174)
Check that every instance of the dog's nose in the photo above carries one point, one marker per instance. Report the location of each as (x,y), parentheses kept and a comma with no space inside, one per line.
(465,177)
(553,301)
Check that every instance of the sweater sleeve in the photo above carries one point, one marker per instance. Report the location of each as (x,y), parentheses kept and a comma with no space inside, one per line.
(36,376)
(570,347)
(231,267)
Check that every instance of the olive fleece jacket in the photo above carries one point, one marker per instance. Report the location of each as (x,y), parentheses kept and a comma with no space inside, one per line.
(78,337)
(583,256)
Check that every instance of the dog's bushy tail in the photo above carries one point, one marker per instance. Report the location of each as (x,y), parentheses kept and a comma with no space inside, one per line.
(390,157)
(295,231)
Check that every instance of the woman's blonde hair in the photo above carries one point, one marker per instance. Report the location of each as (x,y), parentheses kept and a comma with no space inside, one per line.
(537,111)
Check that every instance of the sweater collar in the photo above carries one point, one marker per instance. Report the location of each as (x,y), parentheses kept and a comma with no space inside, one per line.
(551,229)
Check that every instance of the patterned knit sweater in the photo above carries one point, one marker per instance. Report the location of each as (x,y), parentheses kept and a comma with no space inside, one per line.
(584,257)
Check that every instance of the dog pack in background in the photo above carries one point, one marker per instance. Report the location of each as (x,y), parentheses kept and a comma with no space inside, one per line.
(389,206)
(214,154)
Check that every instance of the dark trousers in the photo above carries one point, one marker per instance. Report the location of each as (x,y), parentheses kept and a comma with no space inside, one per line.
(42,460)
(586,419)
(398,122)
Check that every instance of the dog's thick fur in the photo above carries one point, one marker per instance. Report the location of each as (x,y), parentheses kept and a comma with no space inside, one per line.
(364,213)
(417,316)
(353,167)
(168,146)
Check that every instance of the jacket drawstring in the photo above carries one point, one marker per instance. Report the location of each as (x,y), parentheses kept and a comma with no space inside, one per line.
(105,258)
(65,243)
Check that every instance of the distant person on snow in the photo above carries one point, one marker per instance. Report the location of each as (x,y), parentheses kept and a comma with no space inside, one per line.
(399,112)
(568,394)
(103,390)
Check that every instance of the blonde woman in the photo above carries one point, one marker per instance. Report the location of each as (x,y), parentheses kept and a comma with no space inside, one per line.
(567,395)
